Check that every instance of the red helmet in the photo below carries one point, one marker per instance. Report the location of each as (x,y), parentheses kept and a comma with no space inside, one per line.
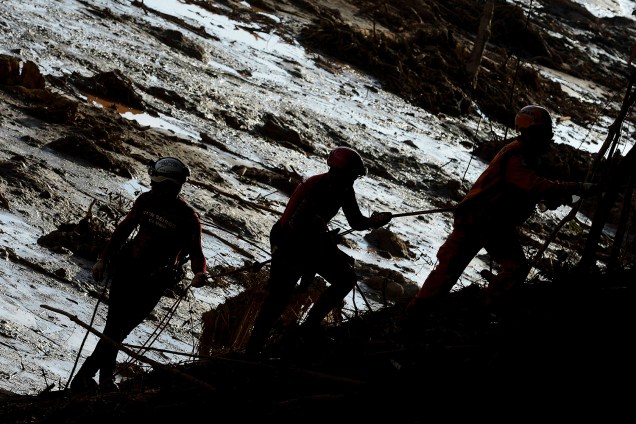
(168,169)
(346,159)
(532,115)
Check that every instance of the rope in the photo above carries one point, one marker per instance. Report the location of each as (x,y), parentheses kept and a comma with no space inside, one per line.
(256,266)
(162,324)
(200,383)
(79,352)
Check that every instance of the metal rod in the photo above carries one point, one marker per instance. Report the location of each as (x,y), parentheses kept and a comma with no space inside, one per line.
(397,215)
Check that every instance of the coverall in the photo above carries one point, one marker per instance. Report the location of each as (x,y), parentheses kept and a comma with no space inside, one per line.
(141,270)
(503,197)
(301,246)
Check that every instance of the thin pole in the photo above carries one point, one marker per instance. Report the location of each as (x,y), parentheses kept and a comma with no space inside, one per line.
(449,209)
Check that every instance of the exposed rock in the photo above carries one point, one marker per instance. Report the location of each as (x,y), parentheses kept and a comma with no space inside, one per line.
(383,239)
(276,129)
(9,70)
(281,179)
(83,149)
(177,40)
(111,85)
(86,238)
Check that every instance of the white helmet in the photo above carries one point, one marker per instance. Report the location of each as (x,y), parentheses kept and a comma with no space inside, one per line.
(168,169)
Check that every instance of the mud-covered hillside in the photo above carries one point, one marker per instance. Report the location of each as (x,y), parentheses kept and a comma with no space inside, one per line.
(562,346)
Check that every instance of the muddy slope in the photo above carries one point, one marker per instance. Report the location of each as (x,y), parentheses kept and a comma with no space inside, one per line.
(563,342)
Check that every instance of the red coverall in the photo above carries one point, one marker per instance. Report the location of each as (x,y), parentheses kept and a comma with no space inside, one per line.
(168,230)
(302,246)
(502,198)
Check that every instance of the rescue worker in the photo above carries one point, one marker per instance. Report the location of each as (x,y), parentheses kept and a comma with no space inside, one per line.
(503,197)
(168,233)
(302,246)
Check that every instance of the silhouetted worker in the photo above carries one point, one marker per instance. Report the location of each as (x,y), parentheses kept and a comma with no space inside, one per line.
(302,246)
(503,197)
(168,233)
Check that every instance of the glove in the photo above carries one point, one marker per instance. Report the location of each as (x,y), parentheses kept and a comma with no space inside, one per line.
(199,279)
(334,235)
(545,205)
(553,204)
(588,189)
(380,219)
(98,270)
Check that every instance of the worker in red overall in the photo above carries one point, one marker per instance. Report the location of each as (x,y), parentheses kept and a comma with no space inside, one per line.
(503,197)
(302,245)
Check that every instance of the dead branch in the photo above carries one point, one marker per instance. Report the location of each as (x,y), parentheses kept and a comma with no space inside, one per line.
(569,217)
(234,196)
(229,243)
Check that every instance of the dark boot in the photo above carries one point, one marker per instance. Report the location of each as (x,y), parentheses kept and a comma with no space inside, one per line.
(419,307)
(272,309)
(83,382)
(108,386)
(331,298)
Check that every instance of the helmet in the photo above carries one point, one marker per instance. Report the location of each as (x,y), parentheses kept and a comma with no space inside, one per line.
(168,169)
(346,159)
(532,115)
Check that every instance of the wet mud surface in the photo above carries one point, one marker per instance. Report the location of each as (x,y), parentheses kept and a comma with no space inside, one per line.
(569,330)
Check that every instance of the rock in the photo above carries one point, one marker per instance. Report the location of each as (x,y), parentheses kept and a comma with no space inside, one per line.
(385,240)
(9,70)
(31,76)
